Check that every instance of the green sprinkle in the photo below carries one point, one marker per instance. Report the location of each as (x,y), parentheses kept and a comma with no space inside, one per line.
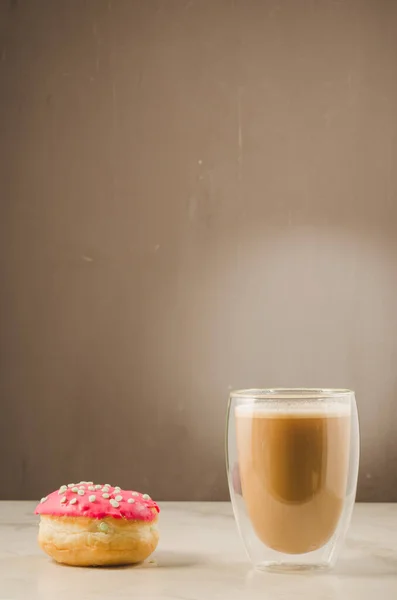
(118,498)
(114,503)
(75,489)
(92,498)
(104,527)
(81,492)
(146,497)
(43,499)
(130,500)
(63,499)
(73,501)
(105,495)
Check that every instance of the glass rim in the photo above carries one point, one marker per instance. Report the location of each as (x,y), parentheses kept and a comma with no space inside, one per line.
(291,393)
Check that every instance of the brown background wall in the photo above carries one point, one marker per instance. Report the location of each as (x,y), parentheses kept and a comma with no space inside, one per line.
(195,195)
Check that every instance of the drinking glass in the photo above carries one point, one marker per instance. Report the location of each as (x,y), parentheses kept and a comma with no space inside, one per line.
(292,464)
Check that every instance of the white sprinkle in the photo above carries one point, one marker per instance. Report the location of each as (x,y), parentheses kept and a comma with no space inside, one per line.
(117,489)
(81,492)
(146,497)
(70,484)
(98,487)
(91,488)
(130,500)
(43,499)
(105,495)
(118,498)
(114,503)
(73,501)
(134,494)
(104,527)
(89,482)
(63,499)
(62,489)
(82,487)
(107,485)
(83,482)
(92,498)
(75,489)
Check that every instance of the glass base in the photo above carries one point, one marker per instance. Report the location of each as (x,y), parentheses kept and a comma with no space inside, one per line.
(284,567)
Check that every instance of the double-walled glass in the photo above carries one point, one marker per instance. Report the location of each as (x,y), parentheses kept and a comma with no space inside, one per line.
(292,463)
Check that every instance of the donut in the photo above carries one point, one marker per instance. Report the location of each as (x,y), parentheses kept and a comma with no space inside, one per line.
(84,524)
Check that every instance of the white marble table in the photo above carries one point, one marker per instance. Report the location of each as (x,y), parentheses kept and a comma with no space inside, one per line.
(200,557)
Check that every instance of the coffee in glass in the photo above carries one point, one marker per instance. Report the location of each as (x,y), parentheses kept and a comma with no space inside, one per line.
(292,464)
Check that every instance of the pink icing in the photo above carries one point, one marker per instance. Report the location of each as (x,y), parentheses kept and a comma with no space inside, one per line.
(99,508)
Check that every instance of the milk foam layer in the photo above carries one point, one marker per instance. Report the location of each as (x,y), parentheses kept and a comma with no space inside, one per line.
(271,410)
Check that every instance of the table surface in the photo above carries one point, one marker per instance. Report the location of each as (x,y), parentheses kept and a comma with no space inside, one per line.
(199,557)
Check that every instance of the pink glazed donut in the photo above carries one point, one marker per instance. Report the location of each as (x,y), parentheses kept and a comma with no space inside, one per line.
(84,524)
